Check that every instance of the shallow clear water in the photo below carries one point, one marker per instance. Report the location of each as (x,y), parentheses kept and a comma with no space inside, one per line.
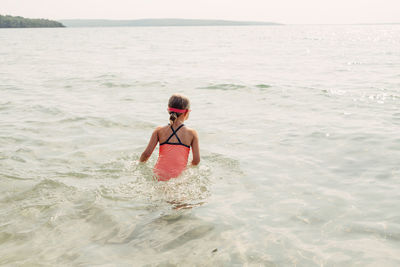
(299,131)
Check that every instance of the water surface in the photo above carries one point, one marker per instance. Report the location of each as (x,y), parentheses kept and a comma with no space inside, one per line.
(298,131)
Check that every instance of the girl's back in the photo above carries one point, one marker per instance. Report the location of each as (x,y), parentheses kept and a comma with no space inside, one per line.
(174,151)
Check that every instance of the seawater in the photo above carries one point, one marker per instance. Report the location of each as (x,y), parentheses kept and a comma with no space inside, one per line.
(299,135)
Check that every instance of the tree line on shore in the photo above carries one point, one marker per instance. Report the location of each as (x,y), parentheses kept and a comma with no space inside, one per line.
(21,22)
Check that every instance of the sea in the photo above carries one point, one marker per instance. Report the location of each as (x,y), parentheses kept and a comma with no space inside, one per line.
(299,129)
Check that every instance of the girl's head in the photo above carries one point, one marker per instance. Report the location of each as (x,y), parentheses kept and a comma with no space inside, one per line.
(178,105)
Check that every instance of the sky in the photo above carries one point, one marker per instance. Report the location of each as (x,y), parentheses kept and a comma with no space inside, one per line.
(282,11)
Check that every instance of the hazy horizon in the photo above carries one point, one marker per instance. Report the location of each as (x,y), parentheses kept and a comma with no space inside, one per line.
(277,22)
(208,19)
(241,20)
(285,11)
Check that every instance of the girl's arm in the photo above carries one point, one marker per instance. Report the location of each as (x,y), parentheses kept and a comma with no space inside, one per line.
(195,149)
(150,147)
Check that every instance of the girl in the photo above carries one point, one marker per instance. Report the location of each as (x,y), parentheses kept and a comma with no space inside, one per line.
(175,141)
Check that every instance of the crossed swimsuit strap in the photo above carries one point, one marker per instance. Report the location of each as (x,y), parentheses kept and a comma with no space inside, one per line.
(174,132)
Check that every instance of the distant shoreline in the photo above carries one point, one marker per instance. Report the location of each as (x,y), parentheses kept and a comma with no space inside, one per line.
(7,21)
(158,23)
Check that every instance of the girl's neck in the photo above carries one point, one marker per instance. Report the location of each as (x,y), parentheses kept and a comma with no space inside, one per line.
(177,123)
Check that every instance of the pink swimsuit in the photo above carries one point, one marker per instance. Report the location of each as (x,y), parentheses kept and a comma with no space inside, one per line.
(172,158)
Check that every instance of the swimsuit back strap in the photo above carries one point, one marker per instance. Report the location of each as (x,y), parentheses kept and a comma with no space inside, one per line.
(174,132)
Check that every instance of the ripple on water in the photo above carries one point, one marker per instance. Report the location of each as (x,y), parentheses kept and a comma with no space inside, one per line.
(48,110)
(138,184)
(234,87)
(117,85)
(224,86)
(263,86)
(6,105)
(32,209)
(382,230)
(116,123)
(223,165)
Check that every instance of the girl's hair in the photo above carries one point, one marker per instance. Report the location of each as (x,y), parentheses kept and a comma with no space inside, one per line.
(177,101)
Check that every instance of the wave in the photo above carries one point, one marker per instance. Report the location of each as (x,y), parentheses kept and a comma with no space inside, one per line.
(233,87)
(117,85)
(381,230)
(223,86)
(263,86)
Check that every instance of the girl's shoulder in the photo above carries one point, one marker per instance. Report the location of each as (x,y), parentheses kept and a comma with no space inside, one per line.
(191,130)
(161,127)
(158,129)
